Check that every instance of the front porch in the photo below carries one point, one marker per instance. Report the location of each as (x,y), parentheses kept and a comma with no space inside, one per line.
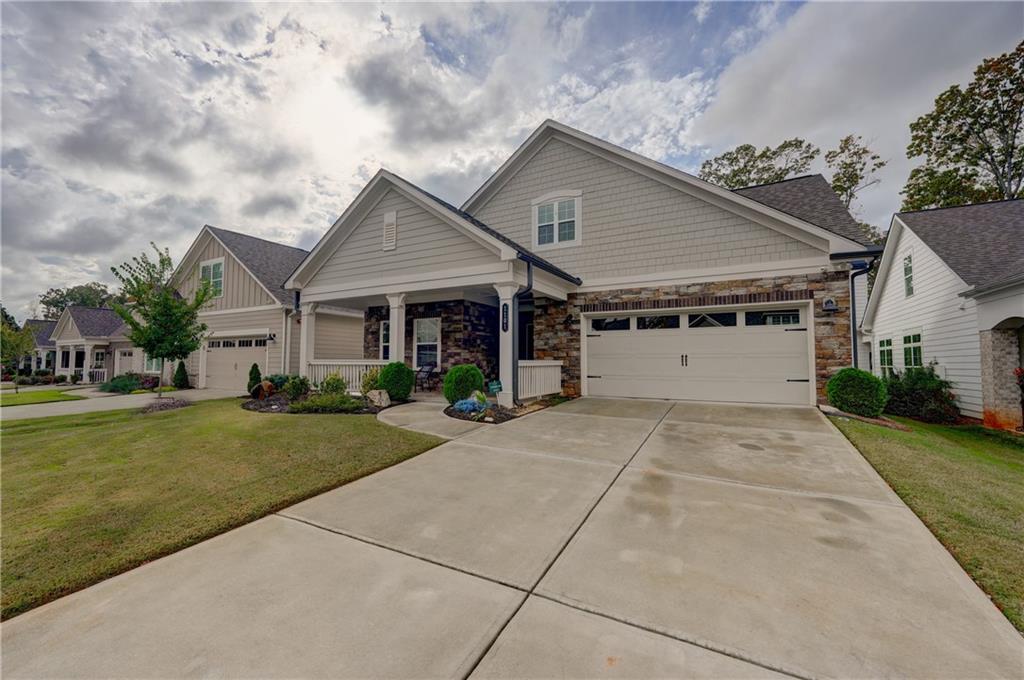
(88,361)
(491,327)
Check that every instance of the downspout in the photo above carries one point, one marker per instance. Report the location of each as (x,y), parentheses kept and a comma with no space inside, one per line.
(514,321)
(858,271)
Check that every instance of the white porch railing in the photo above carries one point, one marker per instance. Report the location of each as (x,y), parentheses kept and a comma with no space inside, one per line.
(538,378)
(351,370)
(97,375)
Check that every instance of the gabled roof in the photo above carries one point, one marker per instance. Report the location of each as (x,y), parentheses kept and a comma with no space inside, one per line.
(42,328)
(809,198)
(269,263)
(461,220)
(982,243)
(95,322)
(737,202)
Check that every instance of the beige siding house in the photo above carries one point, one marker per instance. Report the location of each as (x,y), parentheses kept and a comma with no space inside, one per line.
(584,268)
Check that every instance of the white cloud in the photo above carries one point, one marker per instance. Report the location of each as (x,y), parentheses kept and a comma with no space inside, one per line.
(701,10)
(868,69)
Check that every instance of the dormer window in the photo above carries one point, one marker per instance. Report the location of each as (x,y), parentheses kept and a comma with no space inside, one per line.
(556,220)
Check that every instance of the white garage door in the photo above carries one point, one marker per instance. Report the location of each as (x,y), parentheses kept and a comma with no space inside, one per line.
(745,355)
(228,361)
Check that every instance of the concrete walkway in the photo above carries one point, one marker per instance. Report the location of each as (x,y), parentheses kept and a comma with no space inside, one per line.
(96,403)
(427,415)
(597,538)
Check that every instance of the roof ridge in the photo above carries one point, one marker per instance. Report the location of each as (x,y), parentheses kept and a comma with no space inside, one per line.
(255,238)
(788,179)
(957,207)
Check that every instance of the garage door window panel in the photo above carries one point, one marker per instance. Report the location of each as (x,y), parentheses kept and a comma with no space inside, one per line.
(712,320)
(660,322)
(773,317)
(618,323)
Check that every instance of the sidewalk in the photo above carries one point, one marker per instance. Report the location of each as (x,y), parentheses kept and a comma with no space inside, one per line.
(95,405)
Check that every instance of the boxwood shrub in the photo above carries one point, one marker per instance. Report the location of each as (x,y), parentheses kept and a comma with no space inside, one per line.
(397,379)
(461,381)
(123,384)
(333,384)
(858,392)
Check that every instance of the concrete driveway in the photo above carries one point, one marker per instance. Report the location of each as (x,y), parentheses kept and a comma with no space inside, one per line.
(603,538)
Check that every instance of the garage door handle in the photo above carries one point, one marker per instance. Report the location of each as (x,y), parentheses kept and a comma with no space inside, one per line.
(684,360)
(798,380)
(788,330)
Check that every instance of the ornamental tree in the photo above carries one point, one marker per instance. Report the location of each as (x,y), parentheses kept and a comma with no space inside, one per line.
(161,322)
(14,345)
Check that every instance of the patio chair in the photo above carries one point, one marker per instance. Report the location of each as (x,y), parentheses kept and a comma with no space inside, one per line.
(424,377)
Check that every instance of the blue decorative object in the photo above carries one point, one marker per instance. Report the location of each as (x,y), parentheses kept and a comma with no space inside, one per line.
(468,406)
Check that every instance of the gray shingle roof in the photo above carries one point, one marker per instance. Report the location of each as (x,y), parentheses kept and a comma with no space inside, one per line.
(537,260)
(271,263)
(811,199)
(982,243)
(42,328)
(95,322)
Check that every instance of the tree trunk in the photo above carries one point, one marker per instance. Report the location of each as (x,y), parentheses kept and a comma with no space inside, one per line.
(160,382)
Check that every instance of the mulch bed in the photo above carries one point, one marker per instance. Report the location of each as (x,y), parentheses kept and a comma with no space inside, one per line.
(492,415)
(165,404)
(278,403)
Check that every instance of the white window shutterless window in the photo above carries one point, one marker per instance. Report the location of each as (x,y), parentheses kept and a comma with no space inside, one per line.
(385,340)
(556,220)
(151,364)
(427,339)
(212,271)
(908,275)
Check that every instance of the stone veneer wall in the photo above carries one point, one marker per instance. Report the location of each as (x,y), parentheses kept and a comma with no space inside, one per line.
(557,324)
(1000,354)
(469,333)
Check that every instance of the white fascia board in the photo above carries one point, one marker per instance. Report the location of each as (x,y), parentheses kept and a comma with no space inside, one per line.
(723,198)
(892,240)
(240,310)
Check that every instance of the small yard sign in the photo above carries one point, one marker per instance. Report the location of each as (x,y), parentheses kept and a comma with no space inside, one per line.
(494,387)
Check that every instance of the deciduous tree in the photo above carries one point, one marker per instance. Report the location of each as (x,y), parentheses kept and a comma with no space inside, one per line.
(745,166)
(971,141)
(93,294)
(853,167)
(161,322)
(15,345)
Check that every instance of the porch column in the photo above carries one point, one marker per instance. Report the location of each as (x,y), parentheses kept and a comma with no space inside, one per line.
(87,363)
(506,340)
(396,326)
(307,336)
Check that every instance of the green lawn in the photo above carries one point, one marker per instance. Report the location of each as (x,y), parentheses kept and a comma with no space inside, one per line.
(88,496)
(9,398)
(967,485)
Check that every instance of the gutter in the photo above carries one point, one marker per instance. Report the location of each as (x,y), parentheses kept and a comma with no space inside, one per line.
(869,251)
(530,258)
(860,268)
(514,322)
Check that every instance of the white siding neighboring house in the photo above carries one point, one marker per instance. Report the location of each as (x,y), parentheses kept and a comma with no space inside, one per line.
(936,263)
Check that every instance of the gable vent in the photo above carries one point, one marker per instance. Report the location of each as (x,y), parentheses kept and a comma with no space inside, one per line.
(390,230)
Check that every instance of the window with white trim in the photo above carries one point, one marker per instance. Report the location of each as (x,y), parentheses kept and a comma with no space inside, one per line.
(150,364)
(385,340)
(427,339)
(885,356)
(908,275)
(212,271)
(912,355)
(556,221)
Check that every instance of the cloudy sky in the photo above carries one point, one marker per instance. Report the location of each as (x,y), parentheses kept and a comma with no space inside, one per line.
(125,123)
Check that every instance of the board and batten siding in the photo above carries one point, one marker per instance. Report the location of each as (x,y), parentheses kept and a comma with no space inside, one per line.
(337,337)
(425,244)
(947,322)
(240,289)
(630,224)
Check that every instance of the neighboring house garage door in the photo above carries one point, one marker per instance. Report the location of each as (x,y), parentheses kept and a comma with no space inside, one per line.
(228,361)
(741,355)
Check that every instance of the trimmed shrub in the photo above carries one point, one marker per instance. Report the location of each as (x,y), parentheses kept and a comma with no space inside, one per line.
(370,381)
(296,388)
(255,378)
(123,384)
(75,378)
(180,380)
(333,384)
(469,406)
(397,379)
(461,381)
(60,379)
(858,392)
(337,402)
(23,380)
(920,393)
(278,380)
(41,372)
